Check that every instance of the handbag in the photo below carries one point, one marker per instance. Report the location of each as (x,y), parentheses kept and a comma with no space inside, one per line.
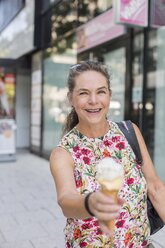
(127,129)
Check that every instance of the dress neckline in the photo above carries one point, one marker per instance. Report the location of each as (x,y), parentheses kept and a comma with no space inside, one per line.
(83,136)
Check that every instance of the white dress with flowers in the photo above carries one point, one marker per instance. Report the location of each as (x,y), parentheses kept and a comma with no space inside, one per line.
(132,227)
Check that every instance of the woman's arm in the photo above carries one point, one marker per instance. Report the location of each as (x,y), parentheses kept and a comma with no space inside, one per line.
(70,200)
(156,188)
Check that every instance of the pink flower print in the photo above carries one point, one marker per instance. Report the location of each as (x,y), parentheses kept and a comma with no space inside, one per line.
(99,232)
(130,181)
(145,242)
(83,244)
(89,219)
(78,154)
(122,214)
(120,145)
(86,226)
(116,139)
(96,223)
(107,143)
(68,245)
(120,223)
(131,245)
(76,148)
(85,151)
(86,160)
(79,183)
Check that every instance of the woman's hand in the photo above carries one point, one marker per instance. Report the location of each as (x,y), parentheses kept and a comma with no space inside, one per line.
(104,208)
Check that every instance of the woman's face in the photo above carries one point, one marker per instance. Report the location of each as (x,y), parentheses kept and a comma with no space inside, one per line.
(90,97)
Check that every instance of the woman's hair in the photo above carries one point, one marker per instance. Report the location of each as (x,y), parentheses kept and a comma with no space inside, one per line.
(75,71)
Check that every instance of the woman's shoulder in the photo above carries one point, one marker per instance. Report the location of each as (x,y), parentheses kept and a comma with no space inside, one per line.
(69,138)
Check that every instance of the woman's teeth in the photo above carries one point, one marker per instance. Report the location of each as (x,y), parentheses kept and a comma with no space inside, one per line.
(93,110)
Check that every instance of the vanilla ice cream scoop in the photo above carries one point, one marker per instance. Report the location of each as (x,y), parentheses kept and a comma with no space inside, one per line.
(110,173)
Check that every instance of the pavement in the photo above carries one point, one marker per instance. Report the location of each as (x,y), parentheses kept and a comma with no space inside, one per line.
(29,214)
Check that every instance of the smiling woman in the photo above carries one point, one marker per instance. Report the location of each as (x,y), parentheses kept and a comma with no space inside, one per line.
(89,94)
(89,138)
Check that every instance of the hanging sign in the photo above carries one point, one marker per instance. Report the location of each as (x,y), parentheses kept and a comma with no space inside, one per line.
(131,12)
(97,31)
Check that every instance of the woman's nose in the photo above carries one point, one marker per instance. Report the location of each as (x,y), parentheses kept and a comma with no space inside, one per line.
(92,99)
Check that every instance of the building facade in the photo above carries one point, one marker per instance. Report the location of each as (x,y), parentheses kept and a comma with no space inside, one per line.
(66,32)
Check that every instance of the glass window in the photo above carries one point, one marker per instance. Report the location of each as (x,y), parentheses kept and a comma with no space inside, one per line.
(116,60)
(88,9)
(56,65)
(64,21)
(137,78)
(8,11)
(156,96)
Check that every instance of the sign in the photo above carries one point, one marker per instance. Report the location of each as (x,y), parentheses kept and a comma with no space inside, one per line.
(7,139)
(157,13)
(98,31)
(131,12)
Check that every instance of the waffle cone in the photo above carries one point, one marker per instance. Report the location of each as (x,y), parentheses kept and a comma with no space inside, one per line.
(114,195)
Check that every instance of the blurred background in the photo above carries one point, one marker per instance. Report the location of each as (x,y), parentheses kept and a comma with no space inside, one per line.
(41,39)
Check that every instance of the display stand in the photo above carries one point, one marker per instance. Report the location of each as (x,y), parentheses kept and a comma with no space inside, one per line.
(7,140)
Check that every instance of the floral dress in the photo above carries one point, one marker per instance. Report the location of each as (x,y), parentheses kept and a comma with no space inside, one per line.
(132,226)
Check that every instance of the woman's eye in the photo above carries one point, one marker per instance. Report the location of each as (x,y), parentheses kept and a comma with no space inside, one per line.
(101,92)
(83,93)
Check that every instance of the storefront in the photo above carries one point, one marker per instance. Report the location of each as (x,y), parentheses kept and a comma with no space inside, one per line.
(134,55)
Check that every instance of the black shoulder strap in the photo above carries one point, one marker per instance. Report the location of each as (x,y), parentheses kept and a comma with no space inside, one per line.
(128,130)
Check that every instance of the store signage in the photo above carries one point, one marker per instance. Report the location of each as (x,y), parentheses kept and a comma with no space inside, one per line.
(98,31)
(7,137)
(157,13)
(131,12)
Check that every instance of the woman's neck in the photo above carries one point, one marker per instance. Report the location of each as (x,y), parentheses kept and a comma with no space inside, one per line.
(93,131)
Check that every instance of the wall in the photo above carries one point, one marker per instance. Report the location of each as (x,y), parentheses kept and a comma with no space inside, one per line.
(17,38)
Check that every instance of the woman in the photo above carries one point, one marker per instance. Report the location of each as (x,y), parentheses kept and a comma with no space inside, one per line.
(90,137)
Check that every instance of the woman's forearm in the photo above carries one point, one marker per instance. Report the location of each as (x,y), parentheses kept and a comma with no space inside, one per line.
(73,206)
(157,197)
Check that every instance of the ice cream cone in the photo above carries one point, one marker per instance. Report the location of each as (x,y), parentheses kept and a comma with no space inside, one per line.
(110,177)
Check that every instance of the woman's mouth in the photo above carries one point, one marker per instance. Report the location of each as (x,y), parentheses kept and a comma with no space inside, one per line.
(93,111)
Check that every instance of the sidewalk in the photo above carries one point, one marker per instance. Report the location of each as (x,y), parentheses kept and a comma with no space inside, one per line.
(29,214)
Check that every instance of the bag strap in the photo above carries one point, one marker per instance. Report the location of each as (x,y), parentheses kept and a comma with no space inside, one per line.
(128,130)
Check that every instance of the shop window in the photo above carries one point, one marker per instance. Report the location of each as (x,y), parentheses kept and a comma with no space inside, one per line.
(8,11)
(7,93)
(89,9)
(57,62)
(155,97)
(137,77)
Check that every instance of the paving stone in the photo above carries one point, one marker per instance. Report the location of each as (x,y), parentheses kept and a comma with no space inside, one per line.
(50,242)
(24,244)
(24,232)
(29,214)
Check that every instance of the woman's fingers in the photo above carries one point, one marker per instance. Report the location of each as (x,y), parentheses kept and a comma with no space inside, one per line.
(104,207)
